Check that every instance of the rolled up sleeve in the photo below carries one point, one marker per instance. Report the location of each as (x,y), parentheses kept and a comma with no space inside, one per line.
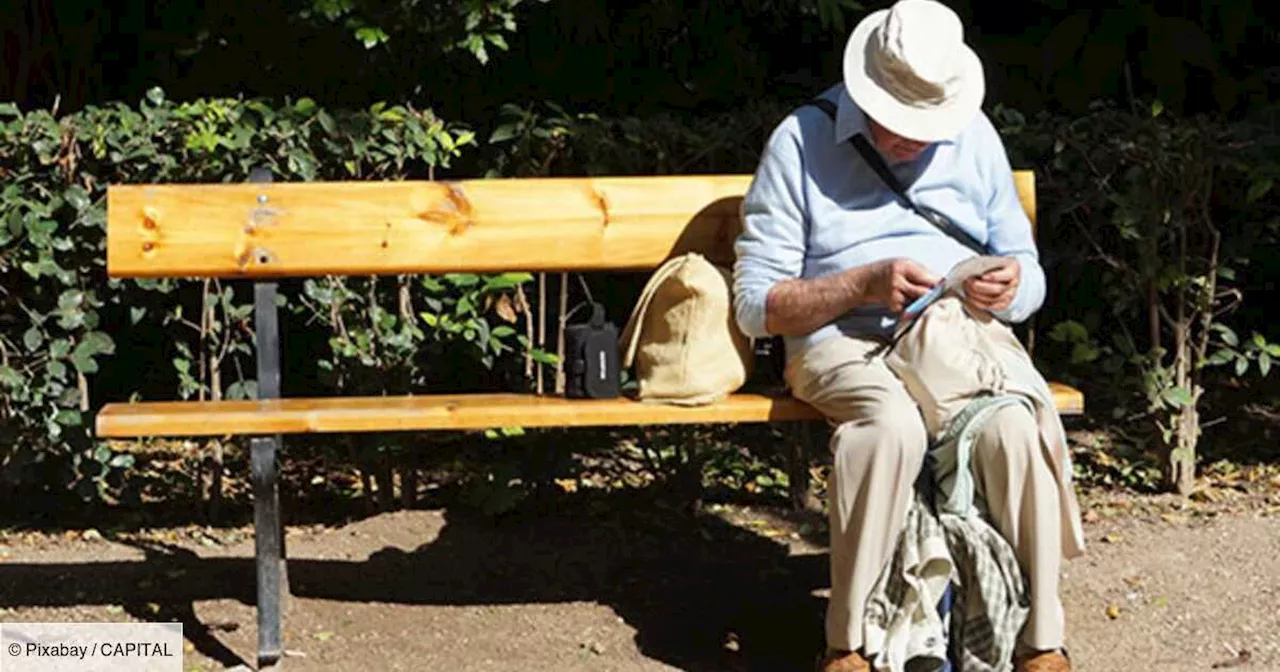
(1009,232)
(770,248)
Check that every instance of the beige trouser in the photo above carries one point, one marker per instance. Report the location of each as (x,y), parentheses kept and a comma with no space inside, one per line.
(878,449)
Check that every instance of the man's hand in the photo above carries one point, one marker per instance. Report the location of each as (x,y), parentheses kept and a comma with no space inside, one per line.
(995,289)
(797,306)
(895,283)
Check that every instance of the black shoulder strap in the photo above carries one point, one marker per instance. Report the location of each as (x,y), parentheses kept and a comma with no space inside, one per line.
(868,153)
(873,159)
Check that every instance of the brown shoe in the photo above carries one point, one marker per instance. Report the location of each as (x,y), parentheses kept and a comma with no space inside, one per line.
(843,661)
(1043,661)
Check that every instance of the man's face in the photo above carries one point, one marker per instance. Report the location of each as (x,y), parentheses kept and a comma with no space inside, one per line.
(893,146)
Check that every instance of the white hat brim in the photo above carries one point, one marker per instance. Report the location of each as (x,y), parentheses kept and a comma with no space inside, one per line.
(931,124)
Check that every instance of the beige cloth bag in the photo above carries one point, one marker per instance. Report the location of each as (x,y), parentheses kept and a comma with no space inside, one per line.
(947,356)
(951,355)
(682,338)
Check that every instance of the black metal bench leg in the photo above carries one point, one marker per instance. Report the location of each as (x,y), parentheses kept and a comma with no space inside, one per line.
(268,525)
(268,549)
(285,591)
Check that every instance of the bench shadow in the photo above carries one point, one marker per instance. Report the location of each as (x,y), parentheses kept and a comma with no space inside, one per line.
(688,585)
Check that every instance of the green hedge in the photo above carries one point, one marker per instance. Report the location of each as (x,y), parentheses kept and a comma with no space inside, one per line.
(193,338)
(1129,202)
(1156,230)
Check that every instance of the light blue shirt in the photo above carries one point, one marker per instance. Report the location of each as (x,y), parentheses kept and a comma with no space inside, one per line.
(816,208)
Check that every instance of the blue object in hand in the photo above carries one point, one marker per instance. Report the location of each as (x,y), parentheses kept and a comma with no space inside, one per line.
(923,302)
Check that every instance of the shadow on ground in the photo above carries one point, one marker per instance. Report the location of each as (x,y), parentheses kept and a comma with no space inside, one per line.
(687,584)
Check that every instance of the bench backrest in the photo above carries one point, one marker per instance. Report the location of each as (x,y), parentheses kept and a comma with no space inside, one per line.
(263,230)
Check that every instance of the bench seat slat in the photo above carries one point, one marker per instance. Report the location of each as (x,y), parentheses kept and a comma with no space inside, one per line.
(445,412)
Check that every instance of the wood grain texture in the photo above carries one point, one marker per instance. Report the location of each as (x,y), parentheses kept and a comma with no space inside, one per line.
(446,412)
(431,412)
(1025,181)
(1069,400)
(359,228)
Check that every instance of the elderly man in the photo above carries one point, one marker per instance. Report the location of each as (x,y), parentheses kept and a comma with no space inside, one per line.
(830,255)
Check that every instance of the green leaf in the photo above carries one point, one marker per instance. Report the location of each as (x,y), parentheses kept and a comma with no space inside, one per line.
(1177,396)
(247,389)
(507,281)
(77,197)
(72,298)
(544,357)
(97,343)
(1264,364)
(502,331)
(32,339)
(1069,331)
(84,364)
(136,315)
(121,461)
(1222,356)
(10,378)
(1157,107)
(327,123)
(305,106)
(371,37)
(497,40)
(182,365)
(1260,341)
(60,348)
(1242,365)
(155,95)
(1083,353)
(58,370)
(71,321)
(473,20)
(463,279)
(68,418)
(41,229)
(1259,189)
(1228,336)
(504,133)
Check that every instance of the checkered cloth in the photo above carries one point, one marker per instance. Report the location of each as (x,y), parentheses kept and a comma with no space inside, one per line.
(990,599)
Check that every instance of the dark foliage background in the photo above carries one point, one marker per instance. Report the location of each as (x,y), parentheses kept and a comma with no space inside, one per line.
(1151,128)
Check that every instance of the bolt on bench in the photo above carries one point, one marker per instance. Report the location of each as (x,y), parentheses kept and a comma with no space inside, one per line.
(263,231)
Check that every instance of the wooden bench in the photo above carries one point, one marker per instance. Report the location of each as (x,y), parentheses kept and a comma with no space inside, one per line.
(262,231)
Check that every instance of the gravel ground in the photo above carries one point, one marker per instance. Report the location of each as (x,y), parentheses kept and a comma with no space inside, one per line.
(629,586)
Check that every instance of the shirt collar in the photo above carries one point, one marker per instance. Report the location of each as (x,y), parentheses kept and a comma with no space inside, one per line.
(850,120)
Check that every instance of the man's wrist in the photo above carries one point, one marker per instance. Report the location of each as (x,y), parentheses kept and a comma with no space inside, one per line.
(856,286)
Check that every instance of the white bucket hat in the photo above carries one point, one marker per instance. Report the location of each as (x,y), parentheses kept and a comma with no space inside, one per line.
(908,68)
